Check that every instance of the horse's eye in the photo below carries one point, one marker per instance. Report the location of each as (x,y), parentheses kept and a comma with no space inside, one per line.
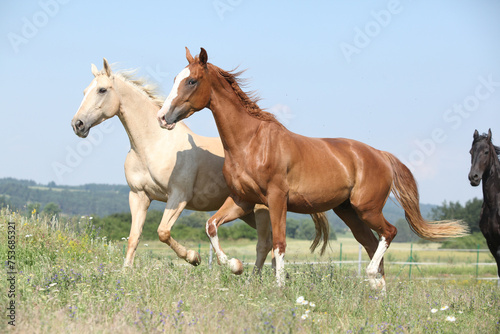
(486,152)
(102,90)
(191,82)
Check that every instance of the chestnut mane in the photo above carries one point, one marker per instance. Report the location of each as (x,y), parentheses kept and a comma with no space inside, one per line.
(248,99)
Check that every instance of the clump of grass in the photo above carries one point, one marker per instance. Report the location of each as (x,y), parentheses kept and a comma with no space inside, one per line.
(70,279)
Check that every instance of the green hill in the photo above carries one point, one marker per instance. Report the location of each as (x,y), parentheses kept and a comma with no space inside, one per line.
(105,199)
(111,202)
(88,199)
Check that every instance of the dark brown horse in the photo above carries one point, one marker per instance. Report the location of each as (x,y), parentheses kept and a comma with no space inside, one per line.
(485,166)
(266,163)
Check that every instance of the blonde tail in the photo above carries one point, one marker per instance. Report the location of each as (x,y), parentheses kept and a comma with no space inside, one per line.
(406,192)
(322,230)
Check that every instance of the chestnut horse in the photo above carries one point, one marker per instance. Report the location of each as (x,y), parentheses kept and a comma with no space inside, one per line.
(268,164)
(177,167)
(485,166)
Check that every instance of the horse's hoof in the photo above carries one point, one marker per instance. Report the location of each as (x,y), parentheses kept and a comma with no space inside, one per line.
(378,284)
(193,257)
(236,266)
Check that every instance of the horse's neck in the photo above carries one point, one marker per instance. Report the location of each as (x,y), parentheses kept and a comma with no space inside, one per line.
(491,181)
(236,127)
(138,116)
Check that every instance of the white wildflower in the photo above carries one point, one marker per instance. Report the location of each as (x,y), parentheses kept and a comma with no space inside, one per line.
(450,318)
(300,300)
(444,308)
(312,304)
(434,310)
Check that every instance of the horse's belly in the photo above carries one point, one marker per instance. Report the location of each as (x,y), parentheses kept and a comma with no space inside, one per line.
(315,202)
(211,201)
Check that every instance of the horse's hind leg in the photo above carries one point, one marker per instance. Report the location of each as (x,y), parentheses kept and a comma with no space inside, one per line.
(375,220)
(173,209)
(360,230)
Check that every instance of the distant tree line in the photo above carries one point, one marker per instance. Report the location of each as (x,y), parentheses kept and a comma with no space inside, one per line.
(192,227)
(89,199)
(469,214)
(108,204)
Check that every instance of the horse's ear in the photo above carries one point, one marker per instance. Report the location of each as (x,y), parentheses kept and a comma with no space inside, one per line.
(203,57)
(107,68)
(489,135)
(476,135)
(94,70)
(189,58)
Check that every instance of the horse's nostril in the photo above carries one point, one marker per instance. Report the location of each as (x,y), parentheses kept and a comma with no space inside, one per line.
(79,124)
(474,177)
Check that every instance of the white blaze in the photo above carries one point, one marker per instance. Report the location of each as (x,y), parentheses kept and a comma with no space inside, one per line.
(173,93)
(92,86)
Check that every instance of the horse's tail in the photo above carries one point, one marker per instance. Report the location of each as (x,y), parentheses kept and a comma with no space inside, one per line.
(405,190)
(322,231)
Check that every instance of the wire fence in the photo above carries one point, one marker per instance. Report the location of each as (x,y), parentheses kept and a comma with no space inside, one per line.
(411,263)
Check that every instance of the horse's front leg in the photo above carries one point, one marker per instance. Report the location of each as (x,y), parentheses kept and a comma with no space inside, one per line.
(175,204)
(139,203)
(277,201)
(230,210)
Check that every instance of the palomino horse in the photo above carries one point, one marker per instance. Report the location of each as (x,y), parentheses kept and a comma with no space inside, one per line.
(485,166)
(177,167)
(266,163)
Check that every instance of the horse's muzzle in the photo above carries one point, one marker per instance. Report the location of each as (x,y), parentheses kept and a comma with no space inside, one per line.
(79,128)
(474,179)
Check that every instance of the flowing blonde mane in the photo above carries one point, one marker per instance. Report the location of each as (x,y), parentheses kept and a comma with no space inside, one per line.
(141,84)
(145,86)
(249,99)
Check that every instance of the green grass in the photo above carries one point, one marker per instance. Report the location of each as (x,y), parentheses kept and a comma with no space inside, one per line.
(70,282)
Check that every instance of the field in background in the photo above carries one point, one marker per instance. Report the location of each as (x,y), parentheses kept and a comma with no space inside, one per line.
(69,282)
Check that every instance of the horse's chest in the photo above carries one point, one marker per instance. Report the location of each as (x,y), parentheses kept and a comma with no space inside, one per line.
(490,224)
(140,177)
(242,182)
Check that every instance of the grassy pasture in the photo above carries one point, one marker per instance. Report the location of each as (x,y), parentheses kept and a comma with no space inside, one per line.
(69,282)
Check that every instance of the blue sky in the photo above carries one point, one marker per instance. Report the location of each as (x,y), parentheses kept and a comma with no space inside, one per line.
(414,78)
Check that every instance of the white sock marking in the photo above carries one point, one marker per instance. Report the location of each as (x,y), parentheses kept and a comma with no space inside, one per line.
(372,269)
(280,267)
(215,243)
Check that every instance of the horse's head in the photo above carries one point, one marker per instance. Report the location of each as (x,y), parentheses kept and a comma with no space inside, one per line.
(99,103)
(190,93)
(482,154)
